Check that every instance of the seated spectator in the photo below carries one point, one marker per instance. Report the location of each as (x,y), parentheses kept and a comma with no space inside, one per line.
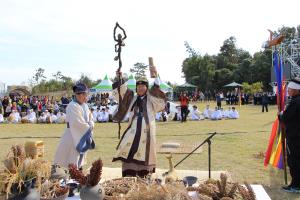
(177,116)
(195,114)
(1,118)
(42,118)
(61,117)
(45,117)
(207,112)
(30,117)
(216,115)
(103,116)
(234,114)
(162,116)
(227,112)
(223,113)
(95,114)
(158,116)
(53,118)
(14,117)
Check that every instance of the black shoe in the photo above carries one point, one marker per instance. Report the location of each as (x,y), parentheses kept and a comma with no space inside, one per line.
(291,189)
(286,187)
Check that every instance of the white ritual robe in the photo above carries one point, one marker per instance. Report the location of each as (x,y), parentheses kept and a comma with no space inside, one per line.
(80,121)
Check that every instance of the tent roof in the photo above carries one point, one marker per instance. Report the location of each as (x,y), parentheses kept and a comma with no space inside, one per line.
(233,84)
(131,83)
(104,85)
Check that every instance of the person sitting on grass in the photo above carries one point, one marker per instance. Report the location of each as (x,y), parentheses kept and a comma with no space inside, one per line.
(195,114)
(30,117)
(207,112)
(223,113)
(61,117)
(14,117)
(1,118)
(234,114)
(95,114)
(158,116)
(103,115)
(216,115)
(53,117)
(177,115)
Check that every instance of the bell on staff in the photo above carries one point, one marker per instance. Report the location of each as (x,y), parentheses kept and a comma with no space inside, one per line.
(116,58)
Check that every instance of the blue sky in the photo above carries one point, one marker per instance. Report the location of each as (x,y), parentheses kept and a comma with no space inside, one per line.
(76,36)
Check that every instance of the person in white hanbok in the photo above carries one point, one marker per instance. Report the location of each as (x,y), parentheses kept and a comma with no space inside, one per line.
(14,117)
(103,116)
(61,117)
(30,117)
(77,138)
(207,112)
(53,118)
(216,115)
(234,114)
(95,114)
(195,114)
(1,118)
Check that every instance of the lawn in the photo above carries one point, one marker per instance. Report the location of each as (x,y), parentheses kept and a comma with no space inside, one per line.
(234,148)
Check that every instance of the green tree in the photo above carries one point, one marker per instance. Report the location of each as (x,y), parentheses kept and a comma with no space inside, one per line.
(39,75)
(58,75)
(288,32)
(138,70)
(229,50)
(86,80)
(189,49)
(261,67)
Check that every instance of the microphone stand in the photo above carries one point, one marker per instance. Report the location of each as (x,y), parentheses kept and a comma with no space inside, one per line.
(208,141)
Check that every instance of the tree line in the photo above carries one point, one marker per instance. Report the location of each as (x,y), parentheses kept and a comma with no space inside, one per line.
(212,72)
(208,72)
(58,82)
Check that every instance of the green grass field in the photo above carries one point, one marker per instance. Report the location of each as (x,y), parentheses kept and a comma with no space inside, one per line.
(234,149)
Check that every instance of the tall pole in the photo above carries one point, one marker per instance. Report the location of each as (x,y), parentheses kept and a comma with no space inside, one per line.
(118,49)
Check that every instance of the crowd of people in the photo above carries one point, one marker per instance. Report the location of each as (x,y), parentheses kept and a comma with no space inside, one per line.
(32,109)
(44,109)
(193,114)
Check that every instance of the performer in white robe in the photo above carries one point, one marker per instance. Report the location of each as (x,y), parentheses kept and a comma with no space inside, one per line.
(14,117)
(234,114)
(207,112)
(158,116)
(30,117)
(1,118)
(61,117)
(216,115)
(53,118)
(103,116)
(77,138)
(195,114)
(42,118)
(95,114)
(177,114)
(136,148)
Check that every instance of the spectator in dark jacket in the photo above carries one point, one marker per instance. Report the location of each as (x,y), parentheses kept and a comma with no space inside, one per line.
(264,102)
(291,119)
